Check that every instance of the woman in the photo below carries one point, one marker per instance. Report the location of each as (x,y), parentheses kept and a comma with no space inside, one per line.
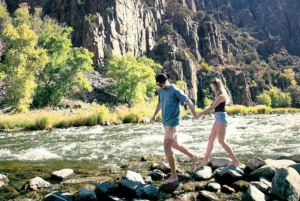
(220,124)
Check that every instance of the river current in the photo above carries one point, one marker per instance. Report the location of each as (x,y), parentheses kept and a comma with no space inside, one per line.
(266,136)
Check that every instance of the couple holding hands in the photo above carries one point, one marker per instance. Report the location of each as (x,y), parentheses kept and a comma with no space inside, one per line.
(169,98)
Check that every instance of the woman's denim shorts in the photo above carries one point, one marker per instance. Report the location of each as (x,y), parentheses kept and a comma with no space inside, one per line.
(221,118)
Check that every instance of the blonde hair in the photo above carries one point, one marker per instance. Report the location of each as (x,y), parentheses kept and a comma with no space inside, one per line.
(220,87)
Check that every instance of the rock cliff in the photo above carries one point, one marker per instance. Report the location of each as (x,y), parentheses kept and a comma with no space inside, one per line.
(120,27)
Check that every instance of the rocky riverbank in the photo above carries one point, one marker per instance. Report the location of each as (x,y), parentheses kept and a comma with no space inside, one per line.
(255,179)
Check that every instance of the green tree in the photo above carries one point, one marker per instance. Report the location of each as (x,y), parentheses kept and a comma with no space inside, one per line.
(40,64)
(23,59)
(4,15)
(63,74)
(133,78)
(264,99)
(279,98)
(204,99)
(294,92)
(180,84)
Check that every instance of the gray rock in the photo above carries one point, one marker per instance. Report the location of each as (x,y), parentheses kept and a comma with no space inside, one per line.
(164,167)
(254,194)
(157,175)
(62,174)
(148,179)
(59,196)
(105,188)
(286,184)
(86,195)
(266,171)
(217,162)
(266,189)
(229,174)
(133,176)
(202,173)
(35,184)
(170,187)
(4,178)
(1,184)
(206,195)
(213,186)
(277,164)
(255,162)
(227,189)
(296,167)
(295,158)
(148,191)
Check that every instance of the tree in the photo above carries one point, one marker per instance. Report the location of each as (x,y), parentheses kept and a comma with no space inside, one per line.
(294,91)
(4,15)
(133,78)
(279,99)
(63,74)
(39,62)
(264,99)
(23,59)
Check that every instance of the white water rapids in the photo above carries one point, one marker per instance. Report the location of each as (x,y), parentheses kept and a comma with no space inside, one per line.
(248,135)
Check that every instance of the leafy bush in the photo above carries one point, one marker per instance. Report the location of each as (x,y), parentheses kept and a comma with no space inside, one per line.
(264,99)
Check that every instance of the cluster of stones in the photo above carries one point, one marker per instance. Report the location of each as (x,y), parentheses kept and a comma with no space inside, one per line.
(258,180)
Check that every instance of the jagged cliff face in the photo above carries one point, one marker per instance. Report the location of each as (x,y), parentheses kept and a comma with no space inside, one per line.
(119,27)
(275,17)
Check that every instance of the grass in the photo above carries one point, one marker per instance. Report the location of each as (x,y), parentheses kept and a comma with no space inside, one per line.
(94,114)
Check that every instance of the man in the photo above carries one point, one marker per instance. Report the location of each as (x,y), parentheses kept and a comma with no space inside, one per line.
(169,98)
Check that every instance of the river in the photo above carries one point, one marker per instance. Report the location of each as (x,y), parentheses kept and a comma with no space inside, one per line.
(266,136)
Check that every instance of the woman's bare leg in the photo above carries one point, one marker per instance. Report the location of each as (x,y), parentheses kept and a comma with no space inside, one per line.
(180,147)
(210,145)
(221,129)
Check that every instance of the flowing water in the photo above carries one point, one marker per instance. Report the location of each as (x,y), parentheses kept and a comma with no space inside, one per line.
(266,136)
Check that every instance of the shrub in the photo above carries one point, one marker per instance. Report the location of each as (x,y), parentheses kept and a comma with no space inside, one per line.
(264,99)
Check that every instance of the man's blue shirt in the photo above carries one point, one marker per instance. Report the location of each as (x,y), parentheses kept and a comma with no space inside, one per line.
(170,99)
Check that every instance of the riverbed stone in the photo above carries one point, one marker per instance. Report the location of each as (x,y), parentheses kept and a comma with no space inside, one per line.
(157,175)
(227,189)
(217,162)
(277,164)
(254,194)
(133,176)
(164,167)
(59,196)
(293,157)
(4,178)
(241,185)
(183,177)
(1,184)
(35,184)
(148,179)
(105,188)
(266,189)
(266,181)
(202,173)
(228,175)
(296,167)
(62,174)
(148,191)
(86,195)
(266,171)
(286,184)
(255,163)
(170,187)
(213,186)
(206,195)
